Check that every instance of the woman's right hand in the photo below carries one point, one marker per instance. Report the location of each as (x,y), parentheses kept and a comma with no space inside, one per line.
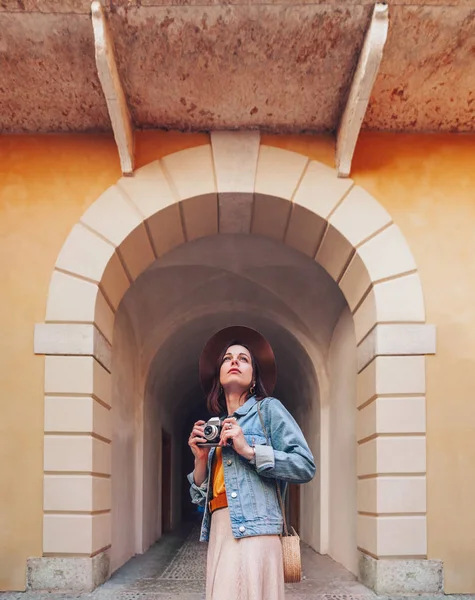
(197,437)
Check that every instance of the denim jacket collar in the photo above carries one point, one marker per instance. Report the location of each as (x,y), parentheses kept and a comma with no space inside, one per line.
(246,407)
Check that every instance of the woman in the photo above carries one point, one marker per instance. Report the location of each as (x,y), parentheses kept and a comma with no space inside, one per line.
(235,482)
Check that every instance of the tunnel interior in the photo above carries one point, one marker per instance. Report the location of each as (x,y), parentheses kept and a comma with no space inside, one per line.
(162,325)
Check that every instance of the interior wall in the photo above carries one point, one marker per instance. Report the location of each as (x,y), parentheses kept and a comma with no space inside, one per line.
(342,544)
(125,418)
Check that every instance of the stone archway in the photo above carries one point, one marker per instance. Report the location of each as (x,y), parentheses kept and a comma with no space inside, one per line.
(237,185)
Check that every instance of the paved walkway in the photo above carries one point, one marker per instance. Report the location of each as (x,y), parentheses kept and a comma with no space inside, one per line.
(174,569)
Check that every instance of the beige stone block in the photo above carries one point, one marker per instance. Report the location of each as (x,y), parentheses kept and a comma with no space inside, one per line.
(235,156)
(392,415)
(395,300)
(402,536)
(77,414)
(72,339)
(320,189)
(392,339)
(113,216)
(68,375)
(84,253)
(334,253)
(392,455)
(114,282)
(393,536)
(166,229)
(388,375)
(191,172)
(235,212)
(77,453)
(383,256)
(270,217)
(148,189)
(235,159)
(136,252)
(104,317)
(305,231)
(366,421)
(200,216)
(76,534)
(81,493)
(355,282)
(367,533)
(279,172)
(359,216)
(71,299)
(392,495)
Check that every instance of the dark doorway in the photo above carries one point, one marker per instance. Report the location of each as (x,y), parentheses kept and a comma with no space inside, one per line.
(293,506)
(166,481)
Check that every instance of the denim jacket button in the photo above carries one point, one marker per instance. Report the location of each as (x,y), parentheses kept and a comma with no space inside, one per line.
(234,495)
(229,462)
(242,529)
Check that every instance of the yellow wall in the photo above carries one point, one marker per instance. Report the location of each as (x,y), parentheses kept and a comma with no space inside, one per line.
(427,183)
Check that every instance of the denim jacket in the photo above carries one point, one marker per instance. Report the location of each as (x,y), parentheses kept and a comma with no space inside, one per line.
(250,488)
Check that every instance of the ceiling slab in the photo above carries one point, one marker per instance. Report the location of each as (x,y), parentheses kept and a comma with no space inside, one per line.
(198,65)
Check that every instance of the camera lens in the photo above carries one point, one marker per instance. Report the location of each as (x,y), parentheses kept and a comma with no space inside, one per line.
(210,432)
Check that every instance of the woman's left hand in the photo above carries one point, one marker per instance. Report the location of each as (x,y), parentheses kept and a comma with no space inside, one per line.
(232,431)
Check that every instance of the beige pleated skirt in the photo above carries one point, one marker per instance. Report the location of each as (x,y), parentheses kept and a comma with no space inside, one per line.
(246,569)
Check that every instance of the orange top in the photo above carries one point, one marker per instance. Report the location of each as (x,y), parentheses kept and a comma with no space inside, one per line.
(217,472)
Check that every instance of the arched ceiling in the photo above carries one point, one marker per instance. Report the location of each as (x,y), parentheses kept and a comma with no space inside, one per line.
(202,286)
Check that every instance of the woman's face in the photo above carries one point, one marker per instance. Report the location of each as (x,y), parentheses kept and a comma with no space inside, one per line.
(236,369)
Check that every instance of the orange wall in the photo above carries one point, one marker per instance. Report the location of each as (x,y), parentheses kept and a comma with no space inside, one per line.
(46,183)
(427,183)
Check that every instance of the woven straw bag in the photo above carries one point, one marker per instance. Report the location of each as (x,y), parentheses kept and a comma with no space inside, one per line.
(289,538)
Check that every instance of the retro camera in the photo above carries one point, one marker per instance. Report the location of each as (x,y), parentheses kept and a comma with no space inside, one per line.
(212,432)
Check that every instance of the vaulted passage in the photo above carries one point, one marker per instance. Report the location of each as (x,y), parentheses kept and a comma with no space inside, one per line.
(161,327)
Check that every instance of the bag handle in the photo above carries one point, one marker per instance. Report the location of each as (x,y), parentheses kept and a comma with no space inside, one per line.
(279,495)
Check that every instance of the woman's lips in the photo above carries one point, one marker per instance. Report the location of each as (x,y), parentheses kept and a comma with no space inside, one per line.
(234,371)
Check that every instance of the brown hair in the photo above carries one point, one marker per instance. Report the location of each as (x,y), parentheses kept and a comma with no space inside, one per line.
(216,401)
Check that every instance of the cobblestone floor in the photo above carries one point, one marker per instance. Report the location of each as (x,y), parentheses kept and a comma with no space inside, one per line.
(174,569)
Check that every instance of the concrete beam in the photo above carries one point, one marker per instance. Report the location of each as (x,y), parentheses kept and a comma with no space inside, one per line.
(112,88)
(360,91)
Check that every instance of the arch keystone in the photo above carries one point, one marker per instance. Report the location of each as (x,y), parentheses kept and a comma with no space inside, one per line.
(235,156)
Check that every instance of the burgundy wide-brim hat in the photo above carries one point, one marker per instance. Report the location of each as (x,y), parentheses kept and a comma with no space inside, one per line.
(257,344)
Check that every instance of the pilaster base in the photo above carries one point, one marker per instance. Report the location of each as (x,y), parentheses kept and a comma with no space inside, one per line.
(71,574)
(401,576)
